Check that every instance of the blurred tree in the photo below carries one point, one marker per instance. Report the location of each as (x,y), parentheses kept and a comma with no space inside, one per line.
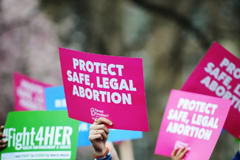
(27,43)
(171,37)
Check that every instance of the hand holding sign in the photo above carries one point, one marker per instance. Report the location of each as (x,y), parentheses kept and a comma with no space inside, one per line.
(178,154)
(98,135)
(2,136)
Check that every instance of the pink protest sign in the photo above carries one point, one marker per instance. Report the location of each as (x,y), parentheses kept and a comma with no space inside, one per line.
(104,86)
(192,120)
(218,74)
(28,93)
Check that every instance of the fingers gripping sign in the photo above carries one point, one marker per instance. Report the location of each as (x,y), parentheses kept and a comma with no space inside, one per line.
(178,154)
(3,143)
(98,135)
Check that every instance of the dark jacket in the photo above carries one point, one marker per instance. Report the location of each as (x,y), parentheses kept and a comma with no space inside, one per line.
(237,156)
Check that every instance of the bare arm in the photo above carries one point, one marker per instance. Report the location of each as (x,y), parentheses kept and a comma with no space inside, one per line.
(112,151)
(126,150)
(98,136)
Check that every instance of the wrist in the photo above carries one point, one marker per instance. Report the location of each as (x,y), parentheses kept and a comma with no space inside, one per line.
(101,154)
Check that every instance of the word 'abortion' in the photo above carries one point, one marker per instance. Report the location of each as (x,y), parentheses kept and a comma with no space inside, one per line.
(97,67)
(189,131)
(102,96)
